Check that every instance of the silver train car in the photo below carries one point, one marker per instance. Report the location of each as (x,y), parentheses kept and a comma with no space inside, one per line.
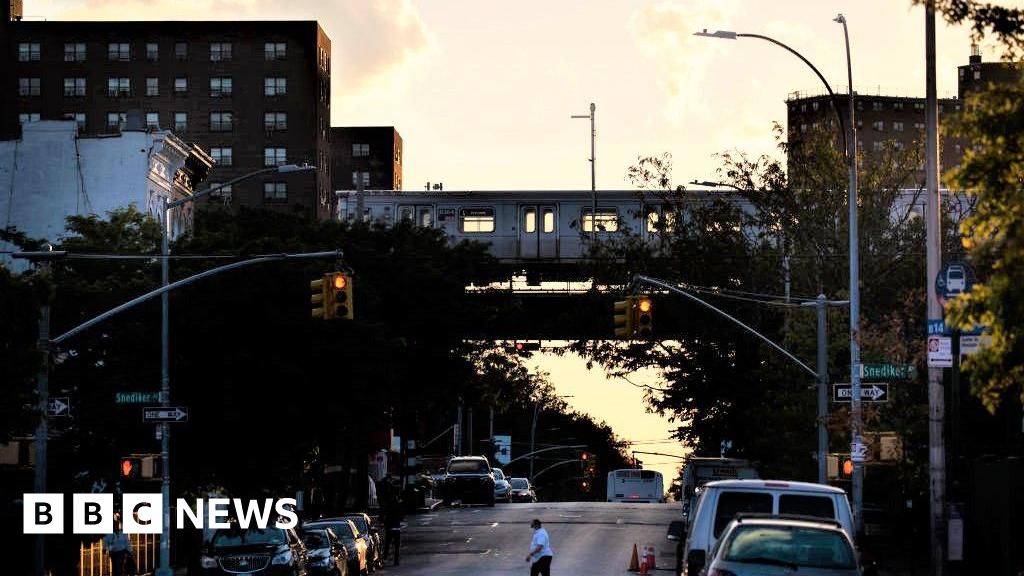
(518,225)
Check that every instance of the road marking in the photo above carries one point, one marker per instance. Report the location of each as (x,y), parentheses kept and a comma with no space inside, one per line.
(570,516)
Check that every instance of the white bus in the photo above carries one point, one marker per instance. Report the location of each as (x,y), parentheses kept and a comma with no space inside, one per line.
(631,485)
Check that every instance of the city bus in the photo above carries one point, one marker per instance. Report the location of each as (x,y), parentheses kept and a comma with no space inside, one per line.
(632,485)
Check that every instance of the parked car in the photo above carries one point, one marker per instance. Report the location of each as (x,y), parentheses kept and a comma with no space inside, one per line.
(468,479)
(722,500)
(374,546)
(326,555)
(355,544)
(270,551)
(521,490)
(783,545)
(502,489)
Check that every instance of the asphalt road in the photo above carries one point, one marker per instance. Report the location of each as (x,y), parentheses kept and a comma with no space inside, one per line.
(591,538)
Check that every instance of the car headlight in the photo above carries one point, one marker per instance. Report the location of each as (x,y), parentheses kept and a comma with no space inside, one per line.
(282,557)
(207,562)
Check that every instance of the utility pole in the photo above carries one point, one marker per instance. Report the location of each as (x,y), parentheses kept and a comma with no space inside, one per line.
(43,428)
(822,389)
(933,244)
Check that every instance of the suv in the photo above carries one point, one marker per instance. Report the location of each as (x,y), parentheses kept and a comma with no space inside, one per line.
(469,480)
(270,551)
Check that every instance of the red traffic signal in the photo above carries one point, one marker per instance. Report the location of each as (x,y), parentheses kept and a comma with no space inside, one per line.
(131,468)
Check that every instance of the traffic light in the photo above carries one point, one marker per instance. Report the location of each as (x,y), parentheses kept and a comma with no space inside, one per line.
(585,485)
(521,347)
(584,457)
(131,468)
(322,298)
(624,318)
(341,295)
(644,309)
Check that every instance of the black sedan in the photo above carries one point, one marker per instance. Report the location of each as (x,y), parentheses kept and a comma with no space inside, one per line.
(270,551)
(374,546)
(326,555)
(348,534)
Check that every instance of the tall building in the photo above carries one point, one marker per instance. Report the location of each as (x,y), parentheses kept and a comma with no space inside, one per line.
(372,154)
(254,94)
(897,120)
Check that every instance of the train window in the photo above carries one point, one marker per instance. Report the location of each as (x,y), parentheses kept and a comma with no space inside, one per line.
(476,219)
(426,217)
(653,217)
(549,220)
(607,220)
(530,220)
(405,213)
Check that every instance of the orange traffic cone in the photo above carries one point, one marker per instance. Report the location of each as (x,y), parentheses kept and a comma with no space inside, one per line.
(634,562)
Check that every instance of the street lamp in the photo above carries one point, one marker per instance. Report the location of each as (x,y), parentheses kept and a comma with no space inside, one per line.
(533,430)
(593,174)
(849,138)
(711,184)
(165,378)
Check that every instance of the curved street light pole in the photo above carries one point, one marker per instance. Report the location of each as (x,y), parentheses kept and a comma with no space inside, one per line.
(165,373)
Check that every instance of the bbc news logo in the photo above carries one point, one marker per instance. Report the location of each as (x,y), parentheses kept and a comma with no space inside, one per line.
(144,513)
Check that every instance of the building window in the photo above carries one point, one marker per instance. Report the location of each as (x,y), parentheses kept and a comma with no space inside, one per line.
(118,87)
(803,107)
(180,121)
(365,178)
(860,104)
(274,51)
(222,156)
(877,106)
(476,220)
(220,51)
(28,117)
(28,52)
(181,50)
(119,51)
(116,120)
(897,106)
(74,86)
(220,191)
(275,121)
(152,51)
(275,191)
(607,220)
(814,106)
(74,52)
(919,106)
(274,156)
(942,108)
(878,125)
(220,87)
(803,127)
(918,125)
(153,120)
(275,86)
(28,86)
(897,126)
(860,123)
(977,74)
(360,150)
(221,121)
(876,146)
(152,86)
(78,117)
(897,144)
(815,125)
(180,85)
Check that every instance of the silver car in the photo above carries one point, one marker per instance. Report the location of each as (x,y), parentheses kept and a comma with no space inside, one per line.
(782,545)
(502,489)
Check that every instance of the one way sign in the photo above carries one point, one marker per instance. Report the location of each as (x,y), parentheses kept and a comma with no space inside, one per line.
(869,392)
(58,406)
(171,414)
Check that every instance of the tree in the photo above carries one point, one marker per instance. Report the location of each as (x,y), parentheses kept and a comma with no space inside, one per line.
(993,172)
(1006,23)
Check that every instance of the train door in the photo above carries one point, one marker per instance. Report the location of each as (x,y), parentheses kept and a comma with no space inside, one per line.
(420,214)
(538,231)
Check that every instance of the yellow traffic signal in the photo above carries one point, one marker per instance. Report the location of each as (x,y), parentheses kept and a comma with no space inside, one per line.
(322,298)
(341,295)
(644,312)
(624,318)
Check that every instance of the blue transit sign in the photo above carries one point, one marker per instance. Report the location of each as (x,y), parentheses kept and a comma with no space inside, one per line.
(954,279)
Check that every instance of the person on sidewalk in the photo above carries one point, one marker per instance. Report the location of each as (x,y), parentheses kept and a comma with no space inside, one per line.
(393,527)
(119,548)
(540,550)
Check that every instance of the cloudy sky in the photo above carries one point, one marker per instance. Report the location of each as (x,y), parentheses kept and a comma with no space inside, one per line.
(482,92)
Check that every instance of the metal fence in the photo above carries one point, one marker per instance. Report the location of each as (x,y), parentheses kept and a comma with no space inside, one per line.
(93,559)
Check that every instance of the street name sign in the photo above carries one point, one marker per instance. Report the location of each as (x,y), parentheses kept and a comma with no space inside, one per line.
(869,392)
(58,406)
(169,414)
(136,397)
(888,371)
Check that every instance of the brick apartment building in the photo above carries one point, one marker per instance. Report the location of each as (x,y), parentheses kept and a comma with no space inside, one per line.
(898,119)
(252,93)
(370,153)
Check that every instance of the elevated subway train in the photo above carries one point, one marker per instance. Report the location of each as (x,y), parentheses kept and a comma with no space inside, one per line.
(518,225)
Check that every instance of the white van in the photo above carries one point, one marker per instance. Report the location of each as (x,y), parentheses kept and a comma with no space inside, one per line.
(722,500)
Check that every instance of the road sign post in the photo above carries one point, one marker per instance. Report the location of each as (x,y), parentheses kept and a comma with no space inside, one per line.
(170,414)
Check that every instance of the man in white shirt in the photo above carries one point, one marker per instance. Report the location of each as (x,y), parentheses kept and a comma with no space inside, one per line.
(540,551)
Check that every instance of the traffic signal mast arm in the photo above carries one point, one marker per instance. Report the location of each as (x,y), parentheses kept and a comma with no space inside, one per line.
(637,279)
